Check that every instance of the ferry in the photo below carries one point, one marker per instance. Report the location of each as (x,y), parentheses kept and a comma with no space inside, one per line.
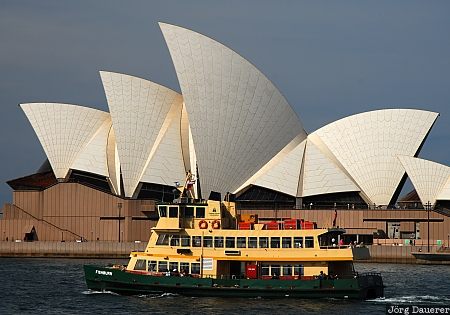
(204,248)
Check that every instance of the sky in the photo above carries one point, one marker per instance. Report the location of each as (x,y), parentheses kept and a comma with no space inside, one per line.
(330,59)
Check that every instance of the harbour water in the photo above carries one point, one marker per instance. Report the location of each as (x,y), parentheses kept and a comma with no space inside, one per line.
(56,286)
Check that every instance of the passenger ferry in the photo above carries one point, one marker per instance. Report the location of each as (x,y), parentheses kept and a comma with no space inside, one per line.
(206,249)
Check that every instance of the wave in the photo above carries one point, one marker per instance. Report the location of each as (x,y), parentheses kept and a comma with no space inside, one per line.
(413,299)
(88,292)
(157,295)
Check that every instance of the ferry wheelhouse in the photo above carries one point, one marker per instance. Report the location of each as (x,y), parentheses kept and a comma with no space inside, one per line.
(206,249)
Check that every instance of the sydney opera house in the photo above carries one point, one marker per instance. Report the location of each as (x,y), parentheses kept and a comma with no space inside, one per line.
(235,131)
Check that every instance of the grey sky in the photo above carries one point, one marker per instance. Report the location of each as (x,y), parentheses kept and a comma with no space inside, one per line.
(330,59)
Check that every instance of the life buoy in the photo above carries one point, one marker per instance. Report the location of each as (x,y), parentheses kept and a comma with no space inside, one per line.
(203,224)
(216,224)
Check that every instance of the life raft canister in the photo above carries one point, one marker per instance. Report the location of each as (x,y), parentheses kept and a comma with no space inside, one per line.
(203,224)
(216,224)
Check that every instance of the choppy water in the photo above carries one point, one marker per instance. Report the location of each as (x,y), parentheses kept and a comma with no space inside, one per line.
(56,286)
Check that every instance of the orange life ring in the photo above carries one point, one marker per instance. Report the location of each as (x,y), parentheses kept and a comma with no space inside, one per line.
(203,224)
(216,224)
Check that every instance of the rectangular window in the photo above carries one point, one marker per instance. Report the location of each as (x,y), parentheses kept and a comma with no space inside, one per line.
(252,242)
(230,242)
(275,270)
(218,241)
(196,241)
(173,212)
(189,212)
(263,242)
(200,212)
(287,270)
(298,270)
(309,242)
(140,264)
(195,268)
(265,270)
(207,241)
(184,267)
(163,239)
(298,242)
(286,242)
(151,265)
(175,240)
(162,266)
(275,243)
(241,242)
(162,211)
(185,241)
(173,265)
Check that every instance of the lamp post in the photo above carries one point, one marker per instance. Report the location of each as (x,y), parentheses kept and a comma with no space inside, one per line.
(428,207)
(119,206)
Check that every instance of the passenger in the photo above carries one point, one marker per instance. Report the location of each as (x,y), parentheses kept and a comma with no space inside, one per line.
(167,273)
(321,275)
(175,273)
(341,242)
(275,276)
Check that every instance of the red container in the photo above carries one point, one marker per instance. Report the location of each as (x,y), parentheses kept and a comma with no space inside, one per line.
(291,224)
(245,226)
(251,271)
(272,225)
(308,225)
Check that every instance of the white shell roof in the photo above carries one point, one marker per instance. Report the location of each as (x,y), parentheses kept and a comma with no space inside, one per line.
(429,178)
(238,118)
(367,146)
(445,191)
(138,109)
(64,130)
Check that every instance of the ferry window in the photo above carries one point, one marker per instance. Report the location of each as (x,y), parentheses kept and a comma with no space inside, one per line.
(207,241)
(298,270)
(195,268)
(275,270)
(196,241)
(185,240)
(263,242)
(241,242)
(298,242)
(230,242)
(175,240)
(309,242)
(184,267)
(173,265)
(218,241)
(163,239)
(287,270)
(173,212)
(252,242)
(286,242)
(200,212)
(265,270)
(189,212)
(151,265)
(140,264)
(162,211)
(274,242)
(162,266)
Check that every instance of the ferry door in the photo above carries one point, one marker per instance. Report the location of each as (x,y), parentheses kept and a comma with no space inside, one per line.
(235,268)
(394,230)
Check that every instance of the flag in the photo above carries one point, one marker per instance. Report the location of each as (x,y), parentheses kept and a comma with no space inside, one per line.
(335,217)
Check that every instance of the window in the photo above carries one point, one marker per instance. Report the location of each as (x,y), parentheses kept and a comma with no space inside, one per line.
(173,212)
(162,266)
(252,242)
(163,239)
(189,212)
(196,241)
(173,265)
(185,241)
(275,242)
(241,242)
(162,211)
(263,242)
(298,242)
(184,267)
(200,212)
(218,241)
(298,270)
(287,270)
(140,264)
(151,265)
(286,242)
(175,240)
(207,241)
(195,268)
(309,242)
(230,242)
(275,270)
(265,270)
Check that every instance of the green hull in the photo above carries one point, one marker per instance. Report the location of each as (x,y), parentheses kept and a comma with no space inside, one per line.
(123,282)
